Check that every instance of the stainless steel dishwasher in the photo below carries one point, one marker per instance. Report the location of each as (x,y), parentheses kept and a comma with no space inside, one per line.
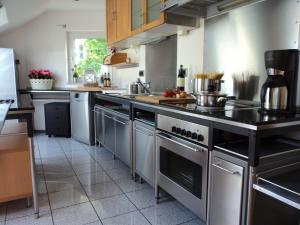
(81,117)
(144,151)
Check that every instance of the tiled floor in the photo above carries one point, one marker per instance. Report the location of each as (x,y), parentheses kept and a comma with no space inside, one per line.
(79,184)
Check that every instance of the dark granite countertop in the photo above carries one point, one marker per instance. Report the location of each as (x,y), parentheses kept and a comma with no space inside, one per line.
(236,113)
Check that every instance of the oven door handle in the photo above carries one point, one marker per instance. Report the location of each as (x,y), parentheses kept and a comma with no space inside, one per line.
(179,143)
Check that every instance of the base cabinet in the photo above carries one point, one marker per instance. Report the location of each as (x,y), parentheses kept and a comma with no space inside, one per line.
(109,132)
(227,190)
(123,140)
(144,151)
(99,133)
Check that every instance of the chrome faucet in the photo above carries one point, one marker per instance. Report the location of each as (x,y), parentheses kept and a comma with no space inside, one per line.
(143,86)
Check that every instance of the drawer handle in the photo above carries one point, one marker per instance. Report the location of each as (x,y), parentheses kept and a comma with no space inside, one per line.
(226,170)
(144,132)
(121,122)
(109,117)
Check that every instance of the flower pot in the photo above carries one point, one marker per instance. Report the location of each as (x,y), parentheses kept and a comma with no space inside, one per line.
(41,84)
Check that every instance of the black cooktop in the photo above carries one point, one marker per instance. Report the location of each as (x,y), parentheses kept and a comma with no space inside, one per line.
(246,112)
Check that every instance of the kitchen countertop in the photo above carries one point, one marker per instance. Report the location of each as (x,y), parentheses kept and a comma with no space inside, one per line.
(66,90)
(244,115)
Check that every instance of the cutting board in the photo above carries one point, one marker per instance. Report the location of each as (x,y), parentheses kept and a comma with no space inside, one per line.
(162,99)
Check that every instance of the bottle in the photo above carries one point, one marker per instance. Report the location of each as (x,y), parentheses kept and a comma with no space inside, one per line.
(104,80)
(108,80)
(181,79)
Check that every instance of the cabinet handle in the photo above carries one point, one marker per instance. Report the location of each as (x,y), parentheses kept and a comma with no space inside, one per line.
(143,132)
(226,170)
(109,117)
(121,122)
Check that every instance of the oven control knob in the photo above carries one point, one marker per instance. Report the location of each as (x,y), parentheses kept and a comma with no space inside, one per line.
(194,135)
(183,132)
(178,130)
(200,137)
(174,129)
(189,134)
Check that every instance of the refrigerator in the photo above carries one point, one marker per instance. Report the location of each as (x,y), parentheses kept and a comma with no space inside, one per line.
(9,83)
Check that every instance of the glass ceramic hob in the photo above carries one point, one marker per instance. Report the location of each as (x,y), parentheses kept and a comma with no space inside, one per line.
(246,112)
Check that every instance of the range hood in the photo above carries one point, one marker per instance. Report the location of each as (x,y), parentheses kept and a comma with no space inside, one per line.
(203,8)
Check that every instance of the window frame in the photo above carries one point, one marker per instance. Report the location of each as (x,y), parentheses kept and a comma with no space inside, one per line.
(71,36)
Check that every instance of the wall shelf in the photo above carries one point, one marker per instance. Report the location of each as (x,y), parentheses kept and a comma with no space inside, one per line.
(124,65)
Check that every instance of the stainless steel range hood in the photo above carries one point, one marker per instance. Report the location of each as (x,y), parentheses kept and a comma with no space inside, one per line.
(203,8)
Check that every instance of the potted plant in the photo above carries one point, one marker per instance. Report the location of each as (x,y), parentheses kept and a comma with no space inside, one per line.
(41,79)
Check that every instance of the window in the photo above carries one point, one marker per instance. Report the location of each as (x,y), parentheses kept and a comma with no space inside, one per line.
(86,53)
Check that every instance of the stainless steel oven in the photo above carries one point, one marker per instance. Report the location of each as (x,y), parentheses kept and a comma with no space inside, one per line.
(182,163)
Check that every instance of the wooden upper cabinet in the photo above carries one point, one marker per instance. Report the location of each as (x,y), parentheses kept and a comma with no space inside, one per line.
(123,19)
(117,20)
(111,21)
(126,18)
(153,16)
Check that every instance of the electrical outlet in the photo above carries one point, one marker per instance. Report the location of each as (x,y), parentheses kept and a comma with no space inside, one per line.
(141,73)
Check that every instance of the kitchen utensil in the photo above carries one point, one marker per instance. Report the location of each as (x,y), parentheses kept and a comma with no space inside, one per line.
(211,85)
(279,92)
(162,99)
(212,99)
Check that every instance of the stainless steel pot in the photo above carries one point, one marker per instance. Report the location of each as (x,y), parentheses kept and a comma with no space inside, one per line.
(212,99)
(207,85)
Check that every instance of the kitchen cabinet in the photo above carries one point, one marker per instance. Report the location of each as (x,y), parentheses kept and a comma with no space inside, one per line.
(123,139)
(145,14)
(109,132)
(99,125)
(144,151)
(153,16)
(227,190)
(117,20)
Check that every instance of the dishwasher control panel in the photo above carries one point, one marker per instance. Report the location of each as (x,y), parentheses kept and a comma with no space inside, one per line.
(192,131)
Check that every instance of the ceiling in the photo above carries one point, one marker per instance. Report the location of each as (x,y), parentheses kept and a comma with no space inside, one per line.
(20,12)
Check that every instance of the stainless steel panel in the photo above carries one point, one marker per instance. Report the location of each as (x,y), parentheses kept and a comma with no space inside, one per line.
(166,123)
(276,98)
(109,132)
(144,151)
(226,193)
(123,143)
(80,118)
(236,41)
(99,125)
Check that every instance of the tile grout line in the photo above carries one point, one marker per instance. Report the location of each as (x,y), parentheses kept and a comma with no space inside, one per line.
(80,182)
(38,147)
(138,210)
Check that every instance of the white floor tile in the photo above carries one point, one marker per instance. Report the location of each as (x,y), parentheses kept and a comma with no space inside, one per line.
(44,219)
(87,168)
(67,198)
(128,185)
(102,190)
(142,198)
(111,164)
(123,172)
(194,222)
(133,218)
(60,184)
(18,208)
(168,213)
(75,215)
(94,178)
(114,206)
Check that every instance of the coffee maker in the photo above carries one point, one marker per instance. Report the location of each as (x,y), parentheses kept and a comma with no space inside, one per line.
(279,92)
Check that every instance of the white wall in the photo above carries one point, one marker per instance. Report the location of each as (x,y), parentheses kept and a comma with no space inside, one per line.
(42,44)
(190,53)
